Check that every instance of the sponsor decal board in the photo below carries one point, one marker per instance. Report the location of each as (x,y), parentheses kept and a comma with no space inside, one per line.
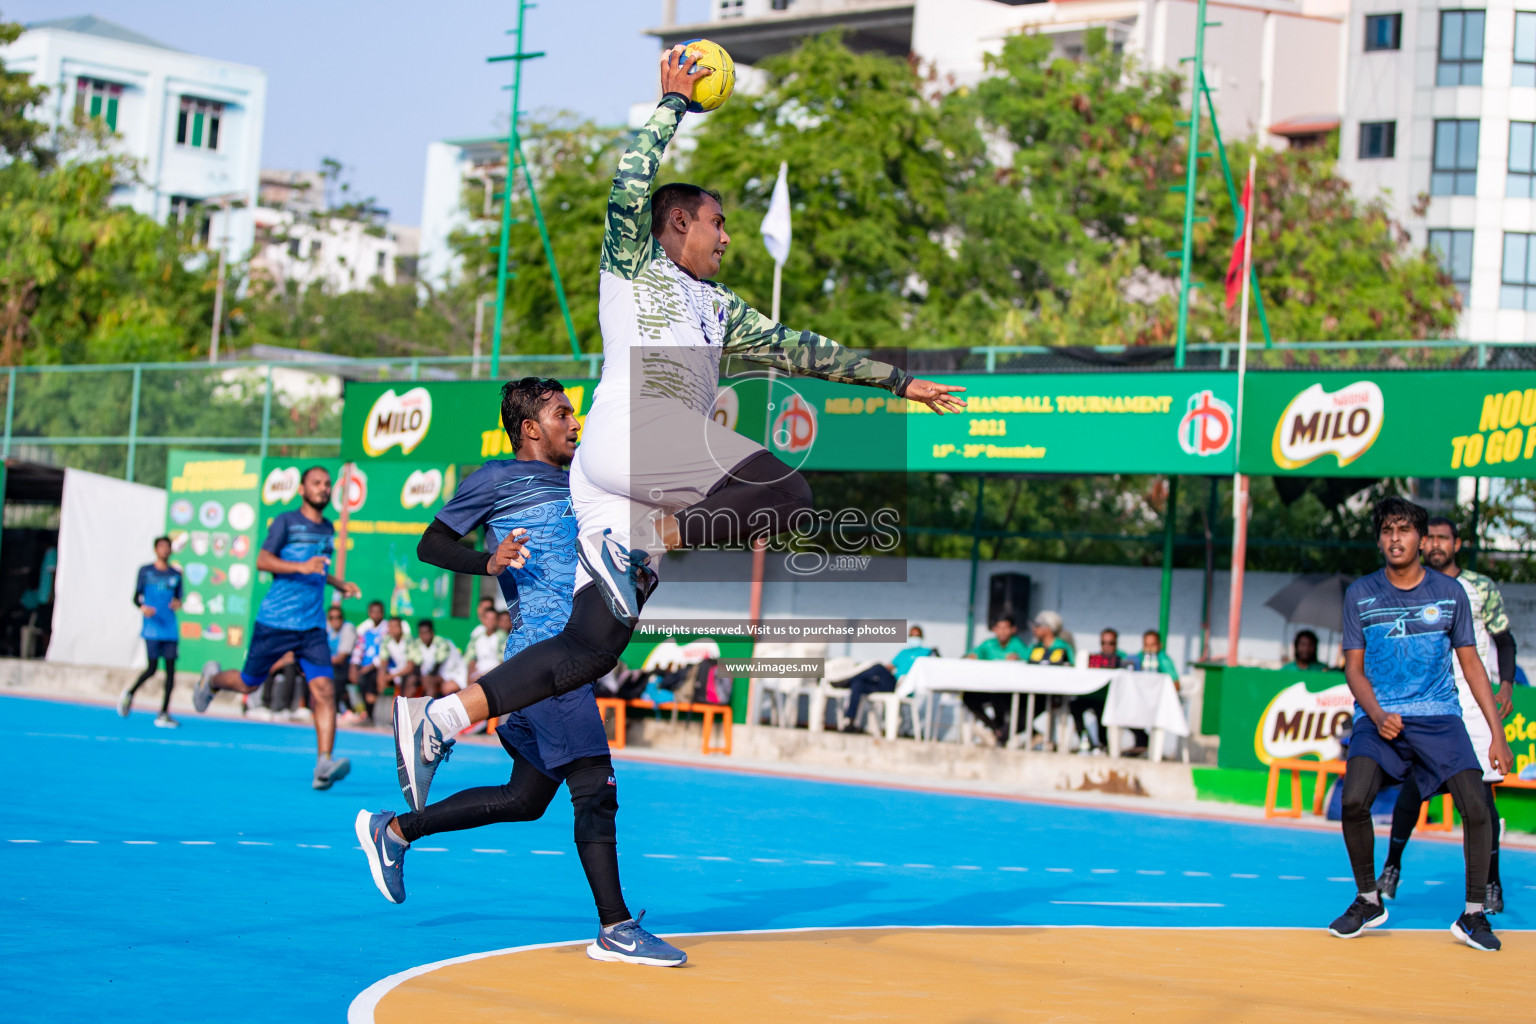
(1425,423)
(211,518)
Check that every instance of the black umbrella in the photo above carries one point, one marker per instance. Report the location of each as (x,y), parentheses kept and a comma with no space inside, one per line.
(1314,599)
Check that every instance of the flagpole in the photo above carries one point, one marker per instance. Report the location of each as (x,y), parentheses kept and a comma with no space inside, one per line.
(1239,481)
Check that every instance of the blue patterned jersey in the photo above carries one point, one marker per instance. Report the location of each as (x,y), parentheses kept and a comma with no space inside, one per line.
(1409,638)
(503,496)
(296,600)
(156,589)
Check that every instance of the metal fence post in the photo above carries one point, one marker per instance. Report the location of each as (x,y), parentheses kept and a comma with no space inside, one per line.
(10,410)
(266,412)
(133,419)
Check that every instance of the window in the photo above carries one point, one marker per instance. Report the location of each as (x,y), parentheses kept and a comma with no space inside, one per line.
(1521,183)
(731,8)
(198,123)
(380,267)
(1383,32)
(1461,48)
(1519,291)
(1455,164)
(185,208)
(1378,140)
(1524,73)
(97,99)
(1454,248)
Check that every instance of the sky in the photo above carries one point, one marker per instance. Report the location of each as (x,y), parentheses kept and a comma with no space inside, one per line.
(372,83)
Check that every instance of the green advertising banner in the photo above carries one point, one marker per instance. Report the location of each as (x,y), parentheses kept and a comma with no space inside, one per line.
(211,517)
(1438,423)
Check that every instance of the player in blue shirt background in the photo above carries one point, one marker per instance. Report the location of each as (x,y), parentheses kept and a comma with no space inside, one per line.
(158,596)
(297,552)
(1402,626)
(525,506)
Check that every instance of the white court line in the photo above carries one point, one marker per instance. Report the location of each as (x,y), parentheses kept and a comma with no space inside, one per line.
(1013,869)
(868,864)
(314,846)
(653,856)
(1128,903)
(487,851)
(1431,881)
(1340,879)
(197,842)
(917,865)
(251,842)
(767,860)
(1060,871)
(967,867)
(427,849)
(714,858)
(1240,875)
(1197,874)
(23,840)
(1105,871)
(139,842)
(81,842)
(1145,871)
(1293,878)
(821,862)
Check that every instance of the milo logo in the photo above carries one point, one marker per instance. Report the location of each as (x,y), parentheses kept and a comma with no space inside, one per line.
(397,420)
(1299,721)
(1343,423)
(421,488)
(281,486)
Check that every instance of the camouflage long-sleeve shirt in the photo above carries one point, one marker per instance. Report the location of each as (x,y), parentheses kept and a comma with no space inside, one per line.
(664,331)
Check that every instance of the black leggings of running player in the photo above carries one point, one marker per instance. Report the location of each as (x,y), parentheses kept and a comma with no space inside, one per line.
(170,681)
(1405,817)
(592,640)
(594,799)
(1362,781)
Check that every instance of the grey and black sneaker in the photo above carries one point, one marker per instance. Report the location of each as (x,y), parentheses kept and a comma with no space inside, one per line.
(1387,883)
(623,576)
(420,747)
(627,942)
(385,853)
(1474,930)
(125,701)
(164,721)
(1362,914)
(202,693)
(329,771)
(1493,901)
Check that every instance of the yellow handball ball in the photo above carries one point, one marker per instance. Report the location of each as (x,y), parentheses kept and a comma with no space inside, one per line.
(710,92)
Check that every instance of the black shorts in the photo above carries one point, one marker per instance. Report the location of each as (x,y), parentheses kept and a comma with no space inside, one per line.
(556,731)
(1432,748)
(268,644)
(160,649)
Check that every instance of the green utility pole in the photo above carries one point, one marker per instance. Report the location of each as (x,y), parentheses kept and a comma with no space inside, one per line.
(1237,208)
(514,151)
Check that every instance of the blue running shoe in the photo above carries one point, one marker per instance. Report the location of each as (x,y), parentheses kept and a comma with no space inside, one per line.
(420,747)
(385,853)
(1473,929)
(628,943)
(1362,914)
(202,693)
(624,577)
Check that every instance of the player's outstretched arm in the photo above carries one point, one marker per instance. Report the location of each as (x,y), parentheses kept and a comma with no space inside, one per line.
(627,243)
(440,546)
(756,338)
(1499,754)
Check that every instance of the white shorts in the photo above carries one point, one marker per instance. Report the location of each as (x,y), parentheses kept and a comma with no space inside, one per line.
(642,458)
(1477,730)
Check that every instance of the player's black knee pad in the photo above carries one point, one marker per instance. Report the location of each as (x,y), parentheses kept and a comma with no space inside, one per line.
(595,799)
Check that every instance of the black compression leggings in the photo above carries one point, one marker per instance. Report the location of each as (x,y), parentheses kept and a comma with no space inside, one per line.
(525,797)
(1405,818)
(1362,781)
(759,498)
(170,681)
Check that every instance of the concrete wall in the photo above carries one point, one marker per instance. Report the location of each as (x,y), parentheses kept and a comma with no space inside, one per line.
(1089,598)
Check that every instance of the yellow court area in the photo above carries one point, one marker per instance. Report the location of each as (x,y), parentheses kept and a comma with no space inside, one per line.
(982,975)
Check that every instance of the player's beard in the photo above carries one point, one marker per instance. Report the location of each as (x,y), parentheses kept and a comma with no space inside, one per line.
(1436,560)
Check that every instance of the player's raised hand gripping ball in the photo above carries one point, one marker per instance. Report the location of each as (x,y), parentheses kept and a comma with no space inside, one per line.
(714,73)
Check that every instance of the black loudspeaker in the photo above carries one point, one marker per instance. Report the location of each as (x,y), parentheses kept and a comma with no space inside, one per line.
(1008,594)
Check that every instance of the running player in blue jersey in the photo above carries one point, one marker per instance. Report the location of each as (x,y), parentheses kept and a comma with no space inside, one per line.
(158,595)
(1402,627)
(524,504)
(297,552)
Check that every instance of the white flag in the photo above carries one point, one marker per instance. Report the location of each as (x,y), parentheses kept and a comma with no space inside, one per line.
(775,228)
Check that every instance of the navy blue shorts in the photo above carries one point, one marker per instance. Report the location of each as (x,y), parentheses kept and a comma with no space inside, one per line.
(268,644)
(1432,747)
(160,649)
(556,731)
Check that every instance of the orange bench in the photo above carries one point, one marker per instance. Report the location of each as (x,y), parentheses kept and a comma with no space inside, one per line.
(620,718)
(1297,765)
(710,713)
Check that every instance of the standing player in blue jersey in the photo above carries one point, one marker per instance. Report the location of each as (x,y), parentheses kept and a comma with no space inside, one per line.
(525,506)
(297,552)
(158,595)
(1402,626)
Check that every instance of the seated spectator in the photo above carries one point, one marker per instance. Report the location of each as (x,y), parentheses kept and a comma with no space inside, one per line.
(1050,648)
(365,657)
(396,666)
(1109,656)
(1150,659)
(341,635)
(504,622)
(1304,653)
(432,653)
(994,709)
(486,645)
(883,678)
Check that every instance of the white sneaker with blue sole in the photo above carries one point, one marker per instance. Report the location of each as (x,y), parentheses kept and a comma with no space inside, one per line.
(623,576)
(627,942)
(420,748)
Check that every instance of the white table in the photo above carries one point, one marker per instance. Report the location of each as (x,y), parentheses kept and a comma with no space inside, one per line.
(1137,700)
